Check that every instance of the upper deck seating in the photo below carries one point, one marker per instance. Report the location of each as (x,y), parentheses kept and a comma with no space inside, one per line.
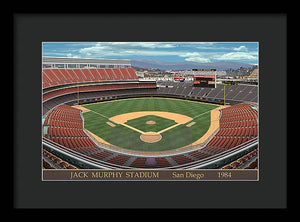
(54,77)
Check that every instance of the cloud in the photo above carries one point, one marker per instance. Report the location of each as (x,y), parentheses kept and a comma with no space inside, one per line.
(139,47)
(194,57)
(189,51)
(201,43)
(238,56)
(121,49)
(70,55)
(114,49)
(198,59)
(151,45)
(93,49)
(241,48)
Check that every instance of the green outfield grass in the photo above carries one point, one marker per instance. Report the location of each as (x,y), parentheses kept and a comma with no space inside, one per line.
(95,121)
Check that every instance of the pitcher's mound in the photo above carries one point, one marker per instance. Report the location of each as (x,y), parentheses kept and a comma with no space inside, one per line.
(150,122)
(150,137)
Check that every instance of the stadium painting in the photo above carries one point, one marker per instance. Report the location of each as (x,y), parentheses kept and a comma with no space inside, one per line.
(145,111)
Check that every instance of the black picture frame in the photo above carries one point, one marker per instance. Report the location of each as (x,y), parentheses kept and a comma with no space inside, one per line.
(30,192)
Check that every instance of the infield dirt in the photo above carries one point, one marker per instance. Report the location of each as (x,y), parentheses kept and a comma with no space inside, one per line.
(123,118)
(132,141)
(83,109)
(150,137)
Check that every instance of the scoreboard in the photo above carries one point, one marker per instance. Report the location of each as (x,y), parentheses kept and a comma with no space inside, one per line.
(179,79)
(205,81)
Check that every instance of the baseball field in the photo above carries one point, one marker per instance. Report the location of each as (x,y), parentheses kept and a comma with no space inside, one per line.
(148,124)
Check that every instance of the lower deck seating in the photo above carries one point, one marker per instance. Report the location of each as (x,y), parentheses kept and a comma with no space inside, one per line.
(50,161)
(182,159)
(238,125)
(119,159)
(101,155)
(162,162)
(198,154)
(139,163)
(64,126)
(245,161)
(253,165)
(47,165)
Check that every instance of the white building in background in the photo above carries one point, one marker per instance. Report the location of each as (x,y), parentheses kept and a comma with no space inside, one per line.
(140,74)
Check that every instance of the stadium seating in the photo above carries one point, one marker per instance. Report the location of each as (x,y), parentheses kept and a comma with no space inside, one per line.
(47,165)
(182,159)
(65,128)
(198,154)
(119,159)
(90,88)
(50,161)
(55,77)
(101,155)
(139,163)
(158,162)
(232,92)
(161,162)
(248,161)
(253,165)
(238,123)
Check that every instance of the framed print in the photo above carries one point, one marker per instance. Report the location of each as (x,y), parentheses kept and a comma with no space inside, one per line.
(139,111)
(150,111)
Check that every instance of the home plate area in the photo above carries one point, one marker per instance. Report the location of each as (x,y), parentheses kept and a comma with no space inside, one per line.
(150,124)
(150,137)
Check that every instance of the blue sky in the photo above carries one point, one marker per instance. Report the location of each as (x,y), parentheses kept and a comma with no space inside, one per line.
(246,52)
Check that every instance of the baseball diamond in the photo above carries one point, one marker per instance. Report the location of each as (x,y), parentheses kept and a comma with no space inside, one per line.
(145,123)
(131,131)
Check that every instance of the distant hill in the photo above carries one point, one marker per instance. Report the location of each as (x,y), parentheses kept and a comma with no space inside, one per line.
(156,64)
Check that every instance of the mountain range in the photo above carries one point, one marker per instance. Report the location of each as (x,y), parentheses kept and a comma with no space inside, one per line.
(162,65)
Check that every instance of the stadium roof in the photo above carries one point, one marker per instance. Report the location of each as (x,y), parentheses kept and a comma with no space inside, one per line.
(56,60)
